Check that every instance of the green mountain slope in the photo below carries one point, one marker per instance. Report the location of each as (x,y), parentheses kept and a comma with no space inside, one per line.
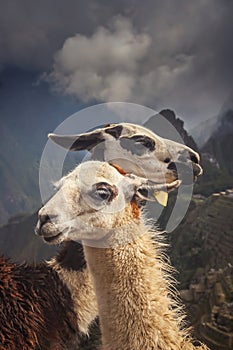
(202,252)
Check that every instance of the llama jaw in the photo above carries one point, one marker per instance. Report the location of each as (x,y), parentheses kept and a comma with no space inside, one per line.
(53,239)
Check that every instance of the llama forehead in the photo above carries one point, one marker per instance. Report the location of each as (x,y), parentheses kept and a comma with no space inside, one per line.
(92,172)
(128,130)
(162,145)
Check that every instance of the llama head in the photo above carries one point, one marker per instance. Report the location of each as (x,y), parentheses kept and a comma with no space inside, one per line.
(137,150)
(93,201)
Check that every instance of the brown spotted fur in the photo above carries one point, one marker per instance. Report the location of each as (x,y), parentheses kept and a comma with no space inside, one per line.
(37,310)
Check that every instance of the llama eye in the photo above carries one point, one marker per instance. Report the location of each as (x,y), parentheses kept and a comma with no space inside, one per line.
(103,192)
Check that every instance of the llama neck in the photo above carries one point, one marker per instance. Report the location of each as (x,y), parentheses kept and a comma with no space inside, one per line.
(71,267)
(133,300)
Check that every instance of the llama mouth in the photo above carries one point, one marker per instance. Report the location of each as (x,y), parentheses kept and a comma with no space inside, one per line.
(151,191)
(49,232)
(53,239)
(188,172)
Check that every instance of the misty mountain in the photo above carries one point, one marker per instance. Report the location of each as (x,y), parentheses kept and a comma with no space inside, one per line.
(202,132)
(215,139)
(23,134)
(220,143)
(18,176)
(217,157)
(207,128)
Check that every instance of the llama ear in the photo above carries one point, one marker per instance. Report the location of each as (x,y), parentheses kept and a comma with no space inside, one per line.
(78,142)
(87,141)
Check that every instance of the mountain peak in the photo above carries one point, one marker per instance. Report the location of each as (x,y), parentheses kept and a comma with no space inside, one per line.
(170,133)
(171,117)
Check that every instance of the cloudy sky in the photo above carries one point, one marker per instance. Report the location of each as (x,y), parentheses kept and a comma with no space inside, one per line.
(175,54)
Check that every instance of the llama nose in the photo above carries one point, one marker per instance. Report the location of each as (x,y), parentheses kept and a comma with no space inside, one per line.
(197,169)
(187,159)
(195,159)
(186,171)
(42,219)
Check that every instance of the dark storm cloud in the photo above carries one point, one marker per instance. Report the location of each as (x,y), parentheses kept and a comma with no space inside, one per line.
(194,37)
(175,54)
(32,31)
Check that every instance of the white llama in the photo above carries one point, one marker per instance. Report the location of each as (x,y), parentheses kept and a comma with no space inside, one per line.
(99,205)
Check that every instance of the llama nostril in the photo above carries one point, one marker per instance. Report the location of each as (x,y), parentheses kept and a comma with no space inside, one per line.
(44,218)
(194,158)
(172,166)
